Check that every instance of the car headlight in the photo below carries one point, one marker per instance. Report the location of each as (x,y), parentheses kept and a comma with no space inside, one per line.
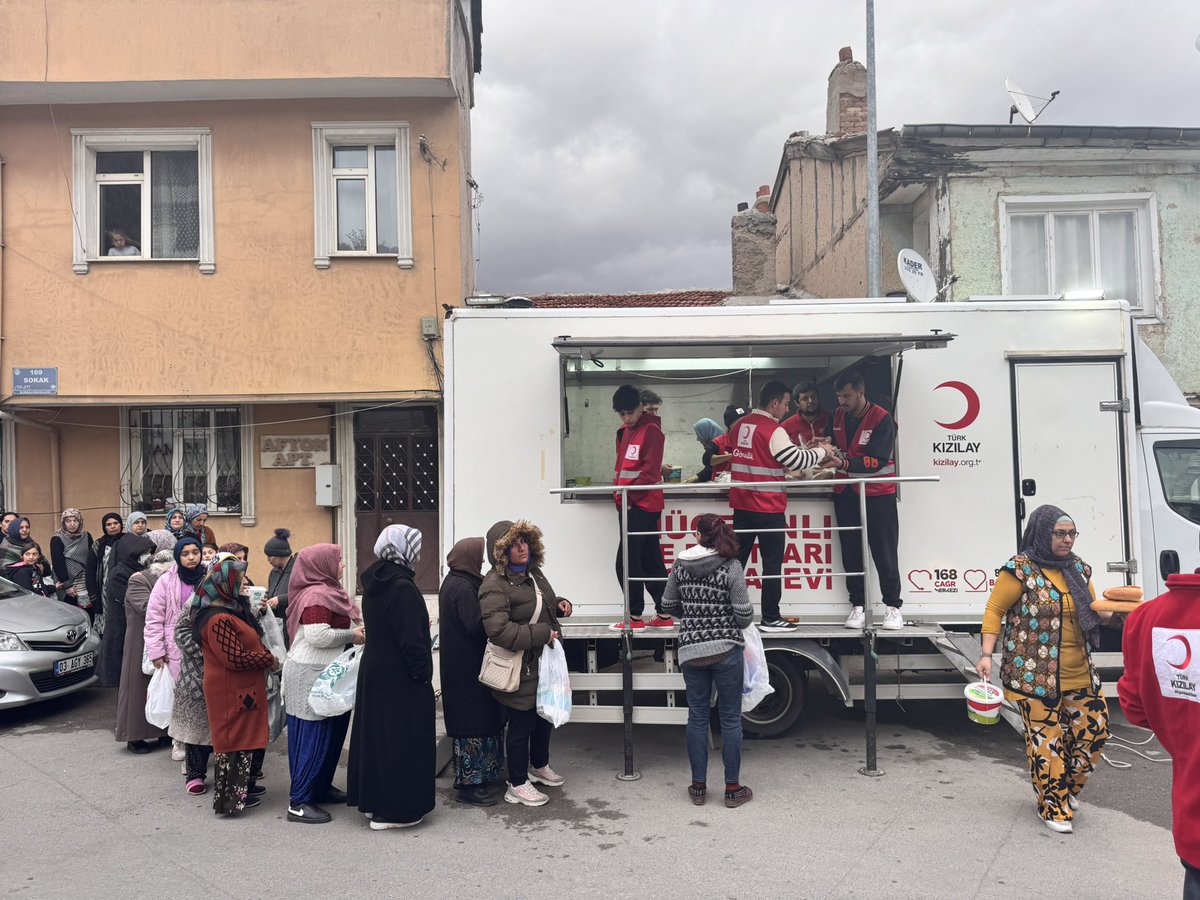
(9,641)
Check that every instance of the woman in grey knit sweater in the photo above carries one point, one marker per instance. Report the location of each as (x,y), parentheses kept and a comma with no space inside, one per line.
(706,591)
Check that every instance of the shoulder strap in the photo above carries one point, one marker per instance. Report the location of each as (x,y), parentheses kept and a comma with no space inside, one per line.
(537,590)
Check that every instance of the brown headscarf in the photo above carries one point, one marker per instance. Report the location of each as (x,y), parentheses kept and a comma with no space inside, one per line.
(467,556)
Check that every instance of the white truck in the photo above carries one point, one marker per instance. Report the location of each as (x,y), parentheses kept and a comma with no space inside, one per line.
(1010,403)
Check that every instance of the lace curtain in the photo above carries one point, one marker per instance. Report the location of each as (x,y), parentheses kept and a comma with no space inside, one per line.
(175,204)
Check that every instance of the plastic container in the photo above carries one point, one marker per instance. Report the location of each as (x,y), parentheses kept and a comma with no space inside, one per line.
(983,702)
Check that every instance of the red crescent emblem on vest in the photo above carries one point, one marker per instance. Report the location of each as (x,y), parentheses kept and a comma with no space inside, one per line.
(972,399)
(1187,652)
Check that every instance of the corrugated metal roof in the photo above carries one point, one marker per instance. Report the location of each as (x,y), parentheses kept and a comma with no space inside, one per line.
(618,301)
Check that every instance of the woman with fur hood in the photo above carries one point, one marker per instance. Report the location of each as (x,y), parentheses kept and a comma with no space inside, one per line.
(520,612)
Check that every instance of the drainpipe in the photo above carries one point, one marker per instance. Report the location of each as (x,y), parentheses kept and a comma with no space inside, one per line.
(55,461)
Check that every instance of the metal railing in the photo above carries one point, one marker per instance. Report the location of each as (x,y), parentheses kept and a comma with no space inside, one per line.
(711,488)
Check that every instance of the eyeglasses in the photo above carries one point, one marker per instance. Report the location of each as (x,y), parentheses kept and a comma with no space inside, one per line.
(1066,534)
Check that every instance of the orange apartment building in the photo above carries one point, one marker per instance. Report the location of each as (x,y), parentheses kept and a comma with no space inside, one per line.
(226,234)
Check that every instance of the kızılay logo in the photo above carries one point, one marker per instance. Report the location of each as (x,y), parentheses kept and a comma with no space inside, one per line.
(972,399)
(962,452)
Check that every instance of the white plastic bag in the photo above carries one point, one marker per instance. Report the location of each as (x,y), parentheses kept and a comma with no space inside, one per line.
(332,694)
(147,665)
(756,681)
(273,636)
(160,698)
(554,685)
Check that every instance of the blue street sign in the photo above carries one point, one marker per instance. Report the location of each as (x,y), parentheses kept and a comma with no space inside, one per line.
(35,381)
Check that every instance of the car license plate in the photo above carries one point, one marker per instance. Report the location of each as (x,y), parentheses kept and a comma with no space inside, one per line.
(74,664)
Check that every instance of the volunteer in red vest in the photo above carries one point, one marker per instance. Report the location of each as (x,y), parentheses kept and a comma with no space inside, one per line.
(762,452)
(639,461)
(1160,690)
(864,433)
(810,424)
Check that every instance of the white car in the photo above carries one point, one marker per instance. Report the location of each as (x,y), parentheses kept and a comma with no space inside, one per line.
(47,648)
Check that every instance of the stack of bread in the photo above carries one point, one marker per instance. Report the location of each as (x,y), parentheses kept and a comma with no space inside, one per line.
(1119,599)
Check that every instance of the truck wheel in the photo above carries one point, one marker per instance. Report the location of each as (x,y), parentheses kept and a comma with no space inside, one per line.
(780,710)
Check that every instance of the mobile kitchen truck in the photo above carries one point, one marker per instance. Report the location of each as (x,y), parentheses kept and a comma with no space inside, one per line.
(1001,405)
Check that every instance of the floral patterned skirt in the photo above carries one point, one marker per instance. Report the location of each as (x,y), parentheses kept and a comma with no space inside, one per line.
(231,781)
(478,760)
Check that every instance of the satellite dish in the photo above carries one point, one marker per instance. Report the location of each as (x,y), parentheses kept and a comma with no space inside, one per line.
(1021,102)
(915,274)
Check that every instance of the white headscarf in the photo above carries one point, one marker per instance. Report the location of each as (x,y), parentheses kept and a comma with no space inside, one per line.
(401,544)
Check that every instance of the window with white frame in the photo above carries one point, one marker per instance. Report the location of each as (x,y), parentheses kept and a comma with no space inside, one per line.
(185,455)
(361,200)
(142,194)
(1098,242)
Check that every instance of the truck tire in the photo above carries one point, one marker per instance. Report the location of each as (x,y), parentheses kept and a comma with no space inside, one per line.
(779,711)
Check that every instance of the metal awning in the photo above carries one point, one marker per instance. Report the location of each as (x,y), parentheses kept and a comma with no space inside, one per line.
(734,346)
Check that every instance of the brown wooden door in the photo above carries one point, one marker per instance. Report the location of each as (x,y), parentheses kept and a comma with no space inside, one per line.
(396,482)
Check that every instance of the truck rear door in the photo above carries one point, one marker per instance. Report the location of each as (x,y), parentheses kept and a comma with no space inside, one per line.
(1070,452)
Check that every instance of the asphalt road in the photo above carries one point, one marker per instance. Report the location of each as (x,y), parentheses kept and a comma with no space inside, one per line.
(952,818)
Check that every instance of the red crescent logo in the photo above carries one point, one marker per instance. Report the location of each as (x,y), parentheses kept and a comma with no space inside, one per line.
(1187,655)
(972,399)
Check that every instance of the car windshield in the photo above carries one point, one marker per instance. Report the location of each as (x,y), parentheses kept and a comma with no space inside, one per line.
(8,589)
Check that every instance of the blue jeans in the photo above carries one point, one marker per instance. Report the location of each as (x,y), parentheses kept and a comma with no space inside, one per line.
(727,677)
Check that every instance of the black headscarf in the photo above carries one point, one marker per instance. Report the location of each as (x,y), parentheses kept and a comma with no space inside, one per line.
(1036,544)
(188,576)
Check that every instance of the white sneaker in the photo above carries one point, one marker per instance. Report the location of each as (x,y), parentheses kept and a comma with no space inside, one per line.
(1073,802)
(892,620)
(856,619)
(384,826)
(547,776)
(1060,827)
(525,794)
(178,752)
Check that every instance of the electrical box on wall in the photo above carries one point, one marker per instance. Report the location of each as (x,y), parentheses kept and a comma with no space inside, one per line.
(329,485)
(429,327)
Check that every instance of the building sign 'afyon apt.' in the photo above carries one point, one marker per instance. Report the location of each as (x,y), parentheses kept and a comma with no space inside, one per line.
(293,451)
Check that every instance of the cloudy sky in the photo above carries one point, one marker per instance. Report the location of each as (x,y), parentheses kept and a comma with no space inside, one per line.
(613,139)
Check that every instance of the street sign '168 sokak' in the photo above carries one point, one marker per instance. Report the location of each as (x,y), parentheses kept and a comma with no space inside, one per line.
(35,381)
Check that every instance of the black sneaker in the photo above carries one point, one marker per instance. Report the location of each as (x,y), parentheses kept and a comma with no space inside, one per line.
(138,747)
(477,795)
(256,790)
(333,795)
(777,626)
(252,801)
(308,814)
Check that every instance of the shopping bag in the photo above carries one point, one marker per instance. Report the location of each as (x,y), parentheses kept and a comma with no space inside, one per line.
(273,636)
(756,680)
(332,694)
(160,698)
(147,666)
(275,716)
(554,685)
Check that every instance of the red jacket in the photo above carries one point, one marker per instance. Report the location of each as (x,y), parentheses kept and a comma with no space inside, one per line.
(803,432)
(235,684)
(1160,690)
(639,461)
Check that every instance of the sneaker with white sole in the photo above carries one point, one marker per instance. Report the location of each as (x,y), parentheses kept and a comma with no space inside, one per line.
(660,623)
(856,619)
(380,825)
(178,752)
(777,626)
(1073,802)
(634,625)
(547,776)
(525,794)
(1060,827)
(892,620)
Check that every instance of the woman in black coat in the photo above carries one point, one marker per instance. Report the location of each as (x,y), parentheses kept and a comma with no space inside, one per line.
(474,719)
(131,554)
(392,740)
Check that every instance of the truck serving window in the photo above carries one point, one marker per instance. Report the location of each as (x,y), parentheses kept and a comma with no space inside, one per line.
(697,378)
(1179,468)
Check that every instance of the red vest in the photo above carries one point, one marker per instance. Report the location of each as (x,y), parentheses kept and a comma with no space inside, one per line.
(722,444)
(802,432)
(856,446)
(639,461)
(752,461)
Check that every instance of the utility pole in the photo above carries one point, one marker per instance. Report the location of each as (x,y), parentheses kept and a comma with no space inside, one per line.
(874,275)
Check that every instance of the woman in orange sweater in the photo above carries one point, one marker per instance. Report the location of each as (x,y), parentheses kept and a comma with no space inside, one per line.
(1041,612)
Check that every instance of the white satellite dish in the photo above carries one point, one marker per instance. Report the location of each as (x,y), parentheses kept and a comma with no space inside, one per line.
(918,279)
(1021,102)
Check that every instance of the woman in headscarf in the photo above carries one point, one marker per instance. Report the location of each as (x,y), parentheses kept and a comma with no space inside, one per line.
(131,554)
(170,595)
(1042,603)
(132,727)
(176,523)
(520,612)
(196,517)
(16,539)
(235,691)
(242,552)
(474,720)
(707,432)
(69,550)
(393,745)
(321,620)
(100,559)
(189,726)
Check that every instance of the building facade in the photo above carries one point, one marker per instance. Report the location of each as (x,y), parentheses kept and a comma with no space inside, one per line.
(223,266)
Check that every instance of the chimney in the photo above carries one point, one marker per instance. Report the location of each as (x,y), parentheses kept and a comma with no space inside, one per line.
(753,248)
(846,106)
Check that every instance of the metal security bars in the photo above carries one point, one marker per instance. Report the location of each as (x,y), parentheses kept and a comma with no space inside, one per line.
(185,455)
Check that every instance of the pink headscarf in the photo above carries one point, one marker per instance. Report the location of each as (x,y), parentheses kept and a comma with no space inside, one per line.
(315,582)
